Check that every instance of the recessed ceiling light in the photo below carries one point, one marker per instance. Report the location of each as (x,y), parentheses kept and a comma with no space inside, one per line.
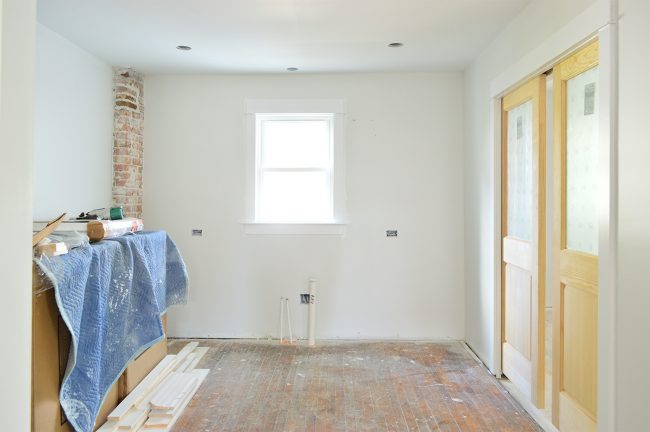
(292,69)
(396,45)
(183,48)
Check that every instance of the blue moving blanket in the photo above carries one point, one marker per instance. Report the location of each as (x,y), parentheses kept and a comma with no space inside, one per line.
(111,296)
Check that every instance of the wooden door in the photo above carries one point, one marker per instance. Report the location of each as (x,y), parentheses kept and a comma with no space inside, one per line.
(575,243)
(523,230)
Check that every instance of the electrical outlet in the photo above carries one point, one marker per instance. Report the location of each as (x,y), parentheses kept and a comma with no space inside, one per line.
(391,233)
(197,232)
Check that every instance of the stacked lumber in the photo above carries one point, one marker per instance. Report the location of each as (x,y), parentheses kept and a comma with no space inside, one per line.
(159,400)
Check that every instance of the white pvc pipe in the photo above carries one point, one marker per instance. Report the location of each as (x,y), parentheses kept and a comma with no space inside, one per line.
(289,321)
(312,312)
(281,317)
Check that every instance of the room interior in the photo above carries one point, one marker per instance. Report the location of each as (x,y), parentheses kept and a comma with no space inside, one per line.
(448,200)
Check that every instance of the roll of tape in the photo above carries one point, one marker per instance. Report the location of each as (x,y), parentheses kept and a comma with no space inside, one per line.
(117,213)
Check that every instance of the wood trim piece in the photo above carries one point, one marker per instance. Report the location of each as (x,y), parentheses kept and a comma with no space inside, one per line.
(199,353)
(156,375)
(170,394)
(200,375)
(49,229)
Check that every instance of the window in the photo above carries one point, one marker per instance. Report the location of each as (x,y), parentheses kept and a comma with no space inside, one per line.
(296,166)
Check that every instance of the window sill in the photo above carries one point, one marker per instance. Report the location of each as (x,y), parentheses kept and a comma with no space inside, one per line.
(295,229)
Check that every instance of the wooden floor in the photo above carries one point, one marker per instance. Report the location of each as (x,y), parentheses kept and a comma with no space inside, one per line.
(347,386)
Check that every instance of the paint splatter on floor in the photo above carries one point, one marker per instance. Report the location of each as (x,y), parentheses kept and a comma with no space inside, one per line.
(347,386)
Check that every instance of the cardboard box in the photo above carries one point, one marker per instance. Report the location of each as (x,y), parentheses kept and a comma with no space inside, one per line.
(141,366)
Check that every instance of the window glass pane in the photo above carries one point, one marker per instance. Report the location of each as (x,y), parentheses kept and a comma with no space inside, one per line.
(582,163)
(295,143)
(295,197)
(520,171)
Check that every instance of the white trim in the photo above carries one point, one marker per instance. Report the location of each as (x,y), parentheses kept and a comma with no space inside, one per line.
(303,106)
(538,415)
(537,61)
(295,170)
(608,224)
(317,107)
(339,170)
(495,114)
(296,229)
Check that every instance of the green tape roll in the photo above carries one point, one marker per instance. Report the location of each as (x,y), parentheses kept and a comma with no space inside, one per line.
(117,213)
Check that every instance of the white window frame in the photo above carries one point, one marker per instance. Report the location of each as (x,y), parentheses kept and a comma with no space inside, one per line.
(331,109)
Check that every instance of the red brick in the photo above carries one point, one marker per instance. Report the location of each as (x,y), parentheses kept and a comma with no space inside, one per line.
(128,132)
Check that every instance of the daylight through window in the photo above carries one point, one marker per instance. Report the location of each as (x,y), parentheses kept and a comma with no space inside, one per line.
(294,168)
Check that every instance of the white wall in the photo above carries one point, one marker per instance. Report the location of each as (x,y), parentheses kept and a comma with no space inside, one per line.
(534,38)
(17,51)
(404,171)
(633,293)
(73,131)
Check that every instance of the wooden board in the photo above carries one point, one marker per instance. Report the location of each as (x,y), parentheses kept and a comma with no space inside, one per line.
(170,398)
(133,420)
(64,226)
(186,363)
(154,425)
(52,249)
(199,353)
(47,230)
(187,350)
(108,426)
(157,374)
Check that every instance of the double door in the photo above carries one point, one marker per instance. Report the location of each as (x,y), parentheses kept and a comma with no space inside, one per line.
(572,237)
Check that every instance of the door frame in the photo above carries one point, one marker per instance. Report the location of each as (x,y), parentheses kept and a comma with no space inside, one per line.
(601,22)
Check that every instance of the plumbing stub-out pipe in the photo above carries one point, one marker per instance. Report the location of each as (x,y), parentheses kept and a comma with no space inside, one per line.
(313,283)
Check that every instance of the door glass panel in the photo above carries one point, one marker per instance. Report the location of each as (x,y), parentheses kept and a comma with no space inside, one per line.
(520,171)
(582,163)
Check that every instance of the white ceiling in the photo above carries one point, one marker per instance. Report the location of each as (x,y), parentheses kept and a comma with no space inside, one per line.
(253,36)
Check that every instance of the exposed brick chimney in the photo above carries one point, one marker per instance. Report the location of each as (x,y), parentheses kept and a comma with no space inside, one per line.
(128,140)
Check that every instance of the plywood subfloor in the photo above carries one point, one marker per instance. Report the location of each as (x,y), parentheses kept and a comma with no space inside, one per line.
(347,386)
